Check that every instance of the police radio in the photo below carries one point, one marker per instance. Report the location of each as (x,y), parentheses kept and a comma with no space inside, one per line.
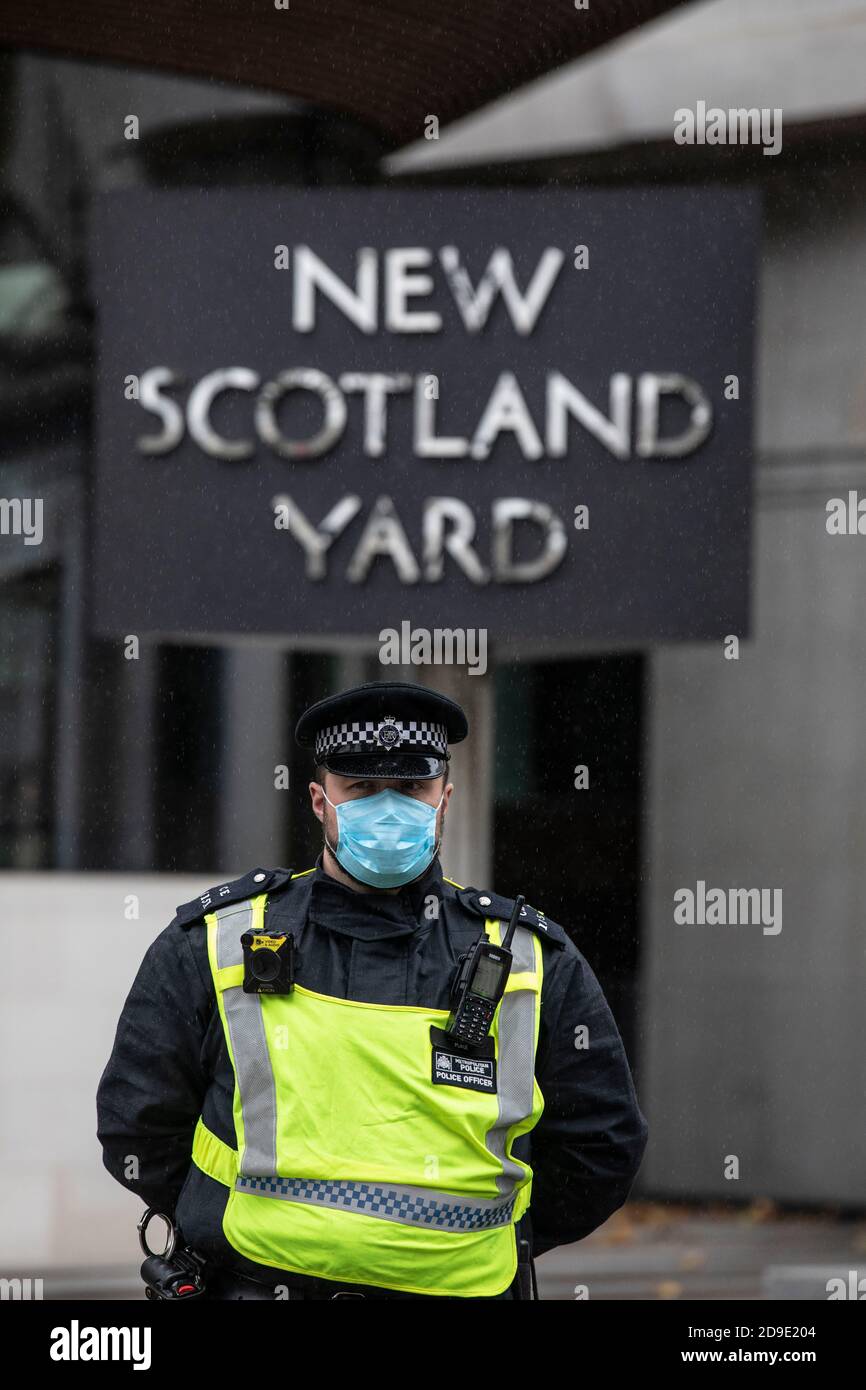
(480,985)
(269,962)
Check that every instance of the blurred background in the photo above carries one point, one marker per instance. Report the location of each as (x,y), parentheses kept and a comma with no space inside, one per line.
(129,787)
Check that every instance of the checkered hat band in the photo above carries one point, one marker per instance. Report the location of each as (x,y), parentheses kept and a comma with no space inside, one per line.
(362,735)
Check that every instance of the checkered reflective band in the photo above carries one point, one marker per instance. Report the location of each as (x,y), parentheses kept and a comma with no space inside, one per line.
(385,733)
(410,1206)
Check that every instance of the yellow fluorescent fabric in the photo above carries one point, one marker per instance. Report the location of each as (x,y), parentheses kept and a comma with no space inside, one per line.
(354,1165)
(213,1156)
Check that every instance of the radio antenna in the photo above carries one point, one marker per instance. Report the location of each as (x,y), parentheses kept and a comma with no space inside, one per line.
(518,908)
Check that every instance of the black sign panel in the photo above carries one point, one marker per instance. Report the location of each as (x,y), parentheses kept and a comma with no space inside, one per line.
(333,412)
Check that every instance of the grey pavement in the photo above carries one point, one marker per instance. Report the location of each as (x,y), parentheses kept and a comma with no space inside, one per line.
(658,1251)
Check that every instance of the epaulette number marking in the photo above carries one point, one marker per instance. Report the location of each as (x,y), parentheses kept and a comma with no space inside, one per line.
(206,899)
(540,919)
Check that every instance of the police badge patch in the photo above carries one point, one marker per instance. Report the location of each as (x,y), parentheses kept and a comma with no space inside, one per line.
(472,1073)
(388,734)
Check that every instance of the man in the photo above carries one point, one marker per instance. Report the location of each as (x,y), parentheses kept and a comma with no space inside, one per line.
(352,1080)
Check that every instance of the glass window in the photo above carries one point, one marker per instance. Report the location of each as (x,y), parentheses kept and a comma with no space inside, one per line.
(574,852)
(28,621)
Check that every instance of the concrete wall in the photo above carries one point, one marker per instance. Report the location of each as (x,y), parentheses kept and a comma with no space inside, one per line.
(69,958)
(755,1044)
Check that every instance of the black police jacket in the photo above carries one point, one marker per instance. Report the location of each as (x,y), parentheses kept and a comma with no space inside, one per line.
(169,1063)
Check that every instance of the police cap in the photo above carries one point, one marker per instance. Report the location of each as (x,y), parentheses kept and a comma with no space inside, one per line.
(385,729)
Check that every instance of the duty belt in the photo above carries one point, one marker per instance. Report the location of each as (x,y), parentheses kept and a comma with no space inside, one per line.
(179,1272)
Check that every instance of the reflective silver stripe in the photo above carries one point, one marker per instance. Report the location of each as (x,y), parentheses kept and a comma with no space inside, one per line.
(249,1046)
(229,950)
(516,1062)
(408,1206)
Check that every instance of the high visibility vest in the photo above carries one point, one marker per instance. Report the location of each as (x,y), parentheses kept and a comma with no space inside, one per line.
(351,1162)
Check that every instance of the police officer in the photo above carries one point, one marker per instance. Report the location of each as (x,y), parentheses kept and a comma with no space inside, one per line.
(362,1079)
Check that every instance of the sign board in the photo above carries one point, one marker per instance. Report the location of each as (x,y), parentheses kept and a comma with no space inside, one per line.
(331,412)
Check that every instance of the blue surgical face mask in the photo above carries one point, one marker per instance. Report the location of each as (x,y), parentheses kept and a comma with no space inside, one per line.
(386,839)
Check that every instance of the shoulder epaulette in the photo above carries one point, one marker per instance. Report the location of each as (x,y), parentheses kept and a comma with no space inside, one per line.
(486,904)
(255,882)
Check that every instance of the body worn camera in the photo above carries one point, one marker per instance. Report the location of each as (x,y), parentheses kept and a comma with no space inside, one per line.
(269,962)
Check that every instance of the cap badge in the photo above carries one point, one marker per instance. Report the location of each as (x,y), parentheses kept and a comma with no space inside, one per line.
(387,734)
